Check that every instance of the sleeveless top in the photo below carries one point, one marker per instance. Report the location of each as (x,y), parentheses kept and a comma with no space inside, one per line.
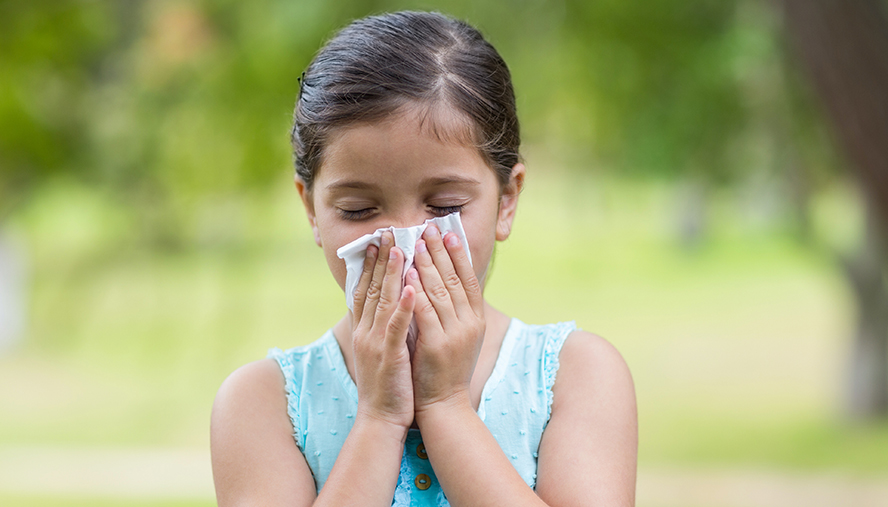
(516,402)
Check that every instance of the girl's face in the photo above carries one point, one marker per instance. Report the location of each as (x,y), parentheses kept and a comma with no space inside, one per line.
(397,173)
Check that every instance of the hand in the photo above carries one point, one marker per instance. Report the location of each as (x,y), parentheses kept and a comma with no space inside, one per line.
(449,313)
(381,318)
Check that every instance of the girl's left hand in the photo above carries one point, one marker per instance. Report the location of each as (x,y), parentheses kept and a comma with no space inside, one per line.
(449,314)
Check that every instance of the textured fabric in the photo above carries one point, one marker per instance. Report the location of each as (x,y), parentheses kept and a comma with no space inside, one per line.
(515,405)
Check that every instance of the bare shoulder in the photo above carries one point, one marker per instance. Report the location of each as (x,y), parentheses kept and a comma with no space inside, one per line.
(255,459)
(589,365)
(588,452)
(253,382)
(255,389)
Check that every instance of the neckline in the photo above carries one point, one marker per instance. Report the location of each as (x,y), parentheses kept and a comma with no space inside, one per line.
(496,375)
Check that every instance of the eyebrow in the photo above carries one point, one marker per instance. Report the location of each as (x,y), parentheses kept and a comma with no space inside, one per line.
(359,185)
(432,182)
(448,180)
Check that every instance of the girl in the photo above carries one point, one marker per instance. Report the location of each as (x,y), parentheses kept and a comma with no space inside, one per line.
(401,118)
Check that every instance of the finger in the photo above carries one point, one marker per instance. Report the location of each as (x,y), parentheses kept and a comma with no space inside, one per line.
(360,294)
(391,285)
(375,286)
(441,259)
(466,273)
(433,286)
(399,324)
(423,310)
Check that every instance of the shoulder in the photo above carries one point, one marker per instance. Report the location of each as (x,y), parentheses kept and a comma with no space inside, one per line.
(250,402)
(253,451)
(254,383)
(589,362)
(592,375)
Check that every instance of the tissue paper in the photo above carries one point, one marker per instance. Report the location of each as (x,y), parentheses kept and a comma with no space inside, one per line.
(405,238)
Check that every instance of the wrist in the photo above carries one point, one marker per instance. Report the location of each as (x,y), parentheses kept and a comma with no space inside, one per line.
(383,425)
(457,404)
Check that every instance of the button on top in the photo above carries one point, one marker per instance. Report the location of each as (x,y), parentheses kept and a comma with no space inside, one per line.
(421,452)
(423,481)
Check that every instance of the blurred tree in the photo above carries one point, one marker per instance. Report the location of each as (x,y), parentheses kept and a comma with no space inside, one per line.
(168,104)
(844,46)
(654,89)
(50,57)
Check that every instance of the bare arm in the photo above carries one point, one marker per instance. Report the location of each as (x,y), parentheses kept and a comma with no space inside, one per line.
(256,461)
(588,452)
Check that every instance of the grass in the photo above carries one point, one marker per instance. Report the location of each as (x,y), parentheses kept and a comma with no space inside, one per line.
(55,501)
(737,345)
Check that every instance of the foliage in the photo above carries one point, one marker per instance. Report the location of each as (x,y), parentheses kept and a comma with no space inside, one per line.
(168,104)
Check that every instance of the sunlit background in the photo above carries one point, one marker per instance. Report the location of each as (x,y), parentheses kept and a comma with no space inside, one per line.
(685,199)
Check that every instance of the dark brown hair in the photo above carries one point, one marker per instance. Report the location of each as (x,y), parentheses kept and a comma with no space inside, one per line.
(377,65)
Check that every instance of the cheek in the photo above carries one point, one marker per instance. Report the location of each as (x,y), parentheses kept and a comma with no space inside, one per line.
(481,239)
(333,237)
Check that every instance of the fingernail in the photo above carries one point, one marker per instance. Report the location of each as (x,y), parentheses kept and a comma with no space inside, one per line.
(452,240)
(386,240)
(413,274)
(372,251)
(393,253)
(420,246)
(433,231)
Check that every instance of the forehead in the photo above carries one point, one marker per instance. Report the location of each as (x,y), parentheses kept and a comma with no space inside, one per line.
(414,141)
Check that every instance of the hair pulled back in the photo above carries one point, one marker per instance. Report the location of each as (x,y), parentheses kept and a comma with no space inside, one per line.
(377,65)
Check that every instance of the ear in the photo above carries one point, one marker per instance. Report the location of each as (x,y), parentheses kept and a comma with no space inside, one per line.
(509,202)
(307,201)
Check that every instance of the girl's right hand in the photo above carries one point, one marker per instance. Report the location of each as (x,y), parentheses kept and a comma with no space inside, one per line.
(381,317)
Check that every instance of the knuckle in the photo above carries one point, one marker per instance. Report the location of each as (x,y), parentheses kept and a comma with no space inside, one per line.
(424,306)
(472,286)
(397,323)
(385,300)
(451,279)
(438,292)
(373,289)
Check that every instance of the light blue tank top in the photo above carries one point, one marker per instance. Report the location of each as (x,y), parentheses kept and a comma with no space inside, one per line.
(515,405)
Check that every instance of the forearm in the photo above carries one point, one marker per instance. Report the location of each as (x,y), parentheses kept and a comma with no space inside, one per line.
(366,470)
(479,474)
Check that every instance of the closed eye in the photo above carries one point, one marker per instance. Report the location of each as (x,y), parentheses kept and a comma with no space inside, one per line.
(358,214)
(441,211)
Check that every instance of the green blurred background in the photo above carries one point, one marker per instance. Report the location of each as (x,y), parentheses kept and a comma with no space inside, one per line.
(684,200)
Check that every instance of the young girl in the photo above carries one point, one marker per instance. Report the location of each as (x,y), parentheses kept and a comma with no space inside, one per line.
(402,118)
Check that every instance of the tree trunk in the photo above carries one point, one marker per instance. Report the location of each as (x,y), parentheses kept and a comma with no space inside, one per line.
(843,44)
(867,394)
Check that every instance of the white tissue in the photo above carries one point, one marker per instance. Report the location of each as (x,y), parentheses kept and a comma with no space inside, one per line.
(405,238)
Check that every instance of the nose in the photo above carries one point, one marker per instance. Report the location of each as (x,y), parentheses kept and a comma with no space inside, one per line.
(407,218)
